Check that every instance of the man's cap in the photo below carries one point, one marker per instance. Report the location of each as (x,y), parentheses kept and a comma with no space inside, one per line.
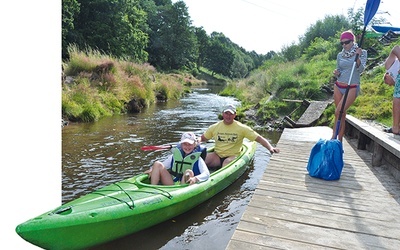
(230,108)
(188,137)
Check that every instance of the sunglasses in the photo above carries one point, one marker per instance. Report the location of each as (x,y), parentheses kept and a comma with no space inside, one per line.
(346,42)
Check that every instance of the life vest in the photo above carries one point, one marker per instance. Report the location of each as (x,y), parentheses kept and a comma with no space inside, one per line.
(199,148)
(180,164)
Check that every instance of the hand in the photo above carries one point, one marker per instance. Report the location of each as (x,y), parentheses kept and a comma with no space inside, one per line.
(388,79)
(192,180)
(336,73)
(274,150)
(148,172)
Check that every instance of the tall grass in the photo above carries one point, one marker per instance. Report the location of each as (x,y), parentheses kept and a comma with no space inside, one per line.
(102,85)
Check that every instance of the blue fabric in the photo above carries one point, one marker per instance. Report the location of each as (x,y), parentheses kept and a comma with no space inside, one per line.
(326,160)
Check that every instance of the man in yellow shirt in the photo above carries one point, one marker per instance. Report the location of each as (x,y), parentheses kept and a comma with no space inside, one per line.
(228,135)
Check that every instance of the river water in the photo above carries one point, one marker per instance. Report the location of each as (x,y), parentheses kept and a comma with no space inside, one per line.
(97,154)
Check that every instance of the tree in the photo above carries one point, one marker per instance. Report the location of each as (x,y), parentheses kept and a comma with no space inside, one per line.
(326,28)
(116,27)
(203,42)
(219,56)
(70,9)
(291,52)
(173,43)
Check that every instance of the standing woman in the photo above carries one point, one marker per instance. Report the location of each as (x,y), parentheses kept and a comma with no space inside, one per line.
(345,60)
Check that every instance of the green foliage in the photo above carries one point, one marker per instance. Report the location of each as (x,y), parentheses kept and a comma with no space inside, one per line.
(70,9)
(80,61)
(79,103)
(101,40)
(320,50)
(234,89)
(112,103)
(327,28)
(202,43)
(116,27)
(269,110)
(220,56)
(172,39)
(157,32)
(291,53)
(375,102)
(102,85)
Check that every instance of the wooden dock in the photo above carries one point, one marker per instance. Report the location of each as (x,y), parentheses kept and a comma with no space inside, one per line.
(291,210)
(310,116)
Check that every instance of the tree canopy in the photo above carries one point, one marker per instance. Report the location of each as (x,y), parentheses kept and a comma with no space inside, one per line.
(161,33)
(155,31)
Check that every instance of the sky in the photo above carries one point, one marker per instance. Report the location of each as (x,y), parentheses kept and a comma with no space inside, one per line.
(30,94)
(265,25)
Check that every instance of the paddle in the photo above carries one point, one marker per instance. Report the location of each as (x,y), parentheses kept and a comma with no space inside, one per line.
(156,147)
(370,9)
(162,147)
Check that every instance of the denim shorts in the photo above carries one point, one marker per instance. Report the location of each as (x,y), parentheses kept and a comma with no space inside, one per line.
(396,92)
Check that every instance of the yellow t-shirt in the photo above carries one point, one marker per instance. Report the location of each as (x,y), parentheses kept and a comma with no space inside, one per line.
(229,138)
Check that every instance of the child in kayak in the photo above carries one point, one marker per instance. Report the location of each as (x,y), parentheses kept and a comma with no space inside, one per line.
(184,164)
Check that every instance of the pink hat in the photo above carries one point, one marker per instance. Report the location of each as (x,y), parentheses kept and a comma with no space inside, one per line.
(347,35)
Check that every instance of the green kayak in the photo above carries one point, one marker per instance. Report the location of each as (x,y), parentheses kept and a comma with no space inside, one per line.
(125,207)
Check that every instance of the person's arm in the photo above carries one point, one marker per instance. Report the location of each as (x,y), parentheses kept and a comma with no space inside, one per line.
(267,145)
(201,139)
(395,52)
(389,63)
(204,172)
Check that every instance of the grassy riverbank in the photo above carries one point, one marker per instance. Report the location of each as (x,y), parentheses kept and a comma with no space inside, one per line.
(310,78)
(97,85)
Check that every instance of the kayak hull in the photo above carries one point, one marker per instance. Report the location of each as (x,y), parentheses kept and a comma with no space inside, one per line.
(125,207)
(384,29)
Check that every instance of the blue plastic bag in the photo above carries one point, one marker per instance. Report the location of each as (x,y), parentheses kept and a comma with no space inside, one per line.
(326,160)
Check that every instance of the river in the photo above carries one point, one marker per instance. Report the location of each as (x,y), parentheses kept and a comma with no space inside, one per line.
(97,154)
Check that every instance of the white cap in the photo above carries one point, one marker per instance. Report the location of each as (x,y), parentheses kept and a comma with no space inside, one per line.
(230,108)
(188,137)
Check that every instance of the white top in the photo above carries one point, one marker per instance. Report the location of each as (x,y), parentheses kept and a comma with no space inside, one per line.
(394,69)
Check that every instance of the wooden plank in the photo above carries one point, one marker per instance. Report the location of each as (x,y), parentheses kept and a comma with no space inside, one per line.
(313,112)
(387,140)
(291,210)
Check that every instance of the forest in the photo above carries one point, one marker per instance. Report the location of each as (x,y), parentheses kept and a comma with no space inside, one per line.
(156,32)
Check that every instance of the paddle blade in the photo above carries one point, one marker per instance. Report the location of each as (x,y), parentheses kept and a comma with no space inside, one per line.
(147,148)
(370,10)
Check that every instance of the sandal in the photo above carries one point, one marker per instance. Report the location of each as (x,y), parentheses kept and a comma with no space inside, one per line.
(388,130)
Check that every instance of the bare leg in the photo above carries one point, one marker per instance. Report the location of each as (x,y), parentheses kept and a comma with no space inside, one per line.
(337,96)
(396,101)
(159,172)
(228,160)
(349,101)
(396,115)
(212,160)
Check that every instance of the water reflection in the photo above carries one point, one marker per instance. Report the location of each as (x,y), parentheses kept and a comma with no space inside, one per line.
(97,154)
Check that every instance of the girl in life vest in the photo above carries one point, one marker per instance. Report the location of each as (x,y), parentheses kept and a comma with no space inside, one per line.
(185,164)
